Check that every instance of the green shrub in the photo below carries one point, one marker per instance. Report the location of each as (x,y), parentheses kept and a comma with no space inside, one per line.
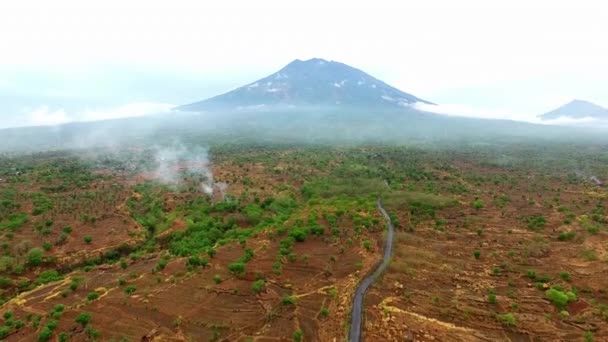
(83,319)
(566,236)
(298,234)
(559,298)
(536,222)
(237,268)
(491,298)
(92,296)
(47,277)
(88,239)
(477,204)
(4,331)
(507,319)
(217,279)
(258,285)
(298,335)
(477,254)
(45,334)
(288,300)
(130,289)
(35,257)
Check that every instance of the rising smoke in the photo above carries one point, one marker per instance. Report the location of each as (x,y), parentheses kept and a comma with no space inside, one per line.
(173,161)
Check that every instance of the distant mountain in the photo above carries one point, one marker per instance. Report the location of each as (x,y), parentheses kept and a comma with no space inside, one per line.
(577,109)
(312,83)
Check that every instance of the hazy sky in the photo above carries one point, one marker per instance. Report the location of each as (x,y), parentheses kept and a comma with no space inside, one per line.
(80,60)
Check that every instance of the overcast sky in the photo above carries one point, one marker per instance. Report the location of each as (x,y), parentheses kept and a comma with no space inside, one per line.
(82,60)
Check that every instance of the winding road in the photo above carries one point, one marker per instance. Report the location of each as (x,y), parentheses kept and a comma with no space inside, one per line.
(357,312)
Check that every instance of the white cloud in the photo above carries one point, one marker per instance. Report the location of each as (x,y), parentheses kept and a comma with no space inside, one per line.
(464,110)
(476,112)
(46,116)
(129,110)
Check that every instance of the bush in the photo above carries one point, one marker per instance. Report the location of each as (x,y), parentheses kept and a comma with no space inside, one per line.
(35,257)
(476,254)
(367,245)
(4,331)
(237,268)
(559,298)
(217,279)
(507,319)
(324,312)
(88,239)
(258,285)
(288,300)
(45,334)
(92,296)
(83,319)
(298,234)
(130,289)
(491,298)
(565,276)
(477,204)
(298,335)
(47,277)
(536,222)
(566,236)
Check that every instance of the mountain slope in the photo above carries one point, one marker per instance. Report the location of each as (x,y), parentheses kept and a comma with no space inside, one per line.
(577,109)
(315,82)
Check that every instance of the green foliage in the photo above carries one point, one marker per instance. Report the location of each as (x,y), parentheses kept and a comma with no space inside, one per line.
(217,279)
(83,319)
(566,236)
(14,222)
(258,285)
(35,257)
(559,298)
(45,334)
(129,290)
(536,222)
(288,300)
(47,277)
(492,297)
(477,204)
(507,319)
(298,335)
(91,296)
(477,254)
(88,239)
(298,234)
(367,245)
(237,268)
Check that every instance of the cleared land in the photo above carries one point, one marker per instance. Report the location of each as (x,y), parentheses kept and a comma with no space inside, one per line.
(491,243)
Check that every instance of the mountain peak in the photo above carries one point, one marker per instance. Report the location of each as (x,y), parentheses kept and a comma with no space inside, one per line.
(577,109)
(312,82)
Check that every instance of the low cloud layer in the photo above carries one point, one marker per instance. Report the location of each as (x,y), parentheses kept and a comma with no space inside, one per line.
(47,116)
(463,110)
